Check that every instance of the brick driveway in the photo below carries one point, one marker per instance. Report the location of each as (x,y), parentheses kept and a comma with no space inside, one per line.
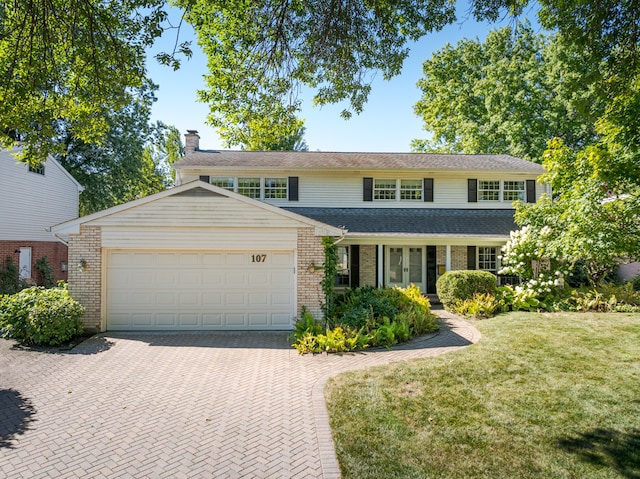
(192,405)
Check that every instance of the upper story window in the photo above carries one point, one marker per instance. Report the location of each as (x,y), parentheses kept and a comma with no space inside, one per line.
(513,191)
(488,190)
(275,188)
(384,190)
(411,190)
(226,183)
(37,169)
(256,188)
(392,189)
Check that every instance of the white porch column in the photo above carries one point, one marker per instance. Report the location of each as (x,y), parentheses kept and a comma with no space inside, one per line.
(447,258)
(380,263)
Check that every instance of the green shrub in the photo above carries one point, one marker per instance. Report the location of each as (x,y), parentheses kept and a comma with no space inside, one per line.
(9,277)
(480,306)
(41,316)
(455,286)
(517,298)
(45,271)
(636,283)
(365,317)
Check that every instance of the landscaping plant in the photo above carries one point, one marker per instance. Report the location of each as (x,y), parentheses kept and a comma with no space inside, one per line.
(39,316)
(455,286)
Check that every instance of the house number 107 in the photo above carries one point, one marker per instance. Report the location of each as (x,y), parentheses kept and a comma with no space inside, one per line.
(258,258)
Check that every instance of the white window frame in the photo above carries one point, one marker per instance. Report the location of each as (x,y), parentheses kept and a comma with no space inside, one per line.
(492,253)
(396,189)
(262,190)
(482,190)
(519,192)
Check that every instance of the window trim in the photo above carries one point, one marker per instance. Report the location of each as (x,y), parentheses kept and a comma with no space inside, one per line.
(397,190)
(522,193)
(476,196)
(482,250)
(262,189)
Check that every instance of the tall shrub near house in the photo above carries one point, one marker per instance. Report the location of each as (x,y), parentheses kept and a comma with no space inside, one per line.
(455,286)
(40,316)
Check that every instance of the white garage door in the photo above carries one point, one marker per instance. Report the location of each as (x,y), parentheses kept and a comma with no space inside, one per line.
(200,290)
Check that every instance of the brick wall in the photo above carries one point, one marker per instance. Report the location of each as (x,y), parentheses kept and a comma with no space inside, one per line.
(55,252)
(309,289)
(85,281)
(458,257)
(368,265)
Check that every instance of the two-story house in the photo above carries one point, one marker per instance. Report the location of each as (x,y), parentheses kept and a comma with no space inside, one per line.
(238,243)
(31,200)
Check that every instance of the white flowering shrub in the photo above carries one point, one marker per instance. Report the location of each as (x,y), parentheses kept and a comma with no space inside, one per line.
(524,249)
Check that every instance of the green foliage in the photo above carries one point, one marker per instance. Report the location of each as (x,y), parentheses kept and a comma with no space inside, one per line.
(367,317)
(9,277)
(508,94)
(74,60)
(517,298)
(605,298)
(45,270)
(636,283)
(455,286)
(480,306)
(329,279)
(41,316)
(131,161)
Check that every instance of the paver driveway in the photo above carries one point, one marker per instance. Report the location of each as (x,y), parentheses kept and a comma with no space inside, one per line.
(194,405)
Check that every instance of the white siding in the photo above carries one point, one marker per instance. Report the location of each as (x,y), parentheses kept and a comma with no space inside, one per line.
(30,202)
(199,238)
(344,188)
(197,211)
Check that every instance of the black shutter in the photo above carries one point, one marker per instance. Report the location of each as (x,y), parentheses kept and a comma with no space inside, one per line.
(293,188)
(472,190)
(428,190)
(367,189)
(355,266)
(204,178)
(471,257)
(531,191)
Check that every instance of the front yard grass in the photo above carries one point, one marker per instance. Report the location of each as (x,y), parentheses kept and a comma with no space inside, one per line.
(541,395)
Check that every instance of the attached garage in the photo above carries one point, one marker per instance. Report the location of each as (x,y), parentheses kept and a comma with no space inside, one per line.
(199,290)
(196,257)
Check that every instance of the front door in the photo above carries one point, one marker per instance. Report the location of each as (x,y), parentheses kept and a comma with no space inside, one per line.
(405,265)
(25,263)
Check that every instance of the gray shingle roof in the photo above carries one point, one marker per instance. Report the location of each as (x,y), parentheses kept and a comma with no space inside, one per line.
(422,221)
(326,160)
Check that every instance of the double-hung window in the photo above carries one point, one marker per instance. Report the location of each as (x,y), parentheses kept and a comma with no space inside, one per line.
(275,188)
(513,191)
(411,190)
(249,187)
(342,266)
(226,183)
(38,169)
(488,190)
(384,189)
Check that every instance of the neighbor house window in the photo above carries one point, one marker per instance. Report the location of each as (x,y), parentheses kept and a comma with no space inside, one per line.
(384,190)
(488,190)
(249,187)
(275,188)
(39,169)
(513,191)
(342,267)
(411,190)
(487,259)
(226,183)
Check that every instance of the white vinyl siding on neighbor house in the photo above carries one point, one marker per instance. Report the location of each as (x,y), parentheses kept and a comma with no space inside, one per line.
(344,188)
(31,202)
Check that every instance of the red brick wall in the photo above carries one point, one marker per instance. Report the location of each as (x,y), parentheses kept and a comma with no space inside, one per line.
(55,252)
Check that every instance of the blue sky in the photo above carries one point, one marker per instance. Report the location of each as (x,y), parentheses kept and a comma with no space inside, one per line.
(387,124)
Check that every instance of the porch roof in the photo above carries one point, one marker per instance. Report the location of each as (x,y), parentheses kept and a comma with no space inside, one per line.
(415,221)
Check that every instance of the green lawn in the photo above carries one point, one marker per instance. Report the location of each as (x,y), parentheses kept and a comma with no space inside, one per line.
(540,396)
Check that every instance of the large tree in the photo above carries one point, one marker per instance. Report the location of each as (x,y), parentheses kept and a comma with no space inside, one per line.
(509,94)
(79,59)
(130,161)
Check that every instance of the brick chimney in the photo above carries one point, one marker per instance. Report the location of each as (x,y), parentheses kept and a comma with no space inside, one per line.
(191,142)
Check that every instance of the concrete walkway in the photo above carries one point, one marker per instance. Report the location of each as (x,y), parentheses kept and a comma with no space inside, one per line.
(188,405)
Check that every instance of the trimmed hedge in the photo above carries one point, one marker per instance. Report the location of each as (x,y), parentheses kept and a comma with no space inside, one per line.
(44,317)
(455,286)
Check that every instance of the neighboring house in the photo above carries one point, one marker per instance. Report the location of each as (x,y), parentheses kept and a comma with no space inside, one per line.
(238,243)
(31,200)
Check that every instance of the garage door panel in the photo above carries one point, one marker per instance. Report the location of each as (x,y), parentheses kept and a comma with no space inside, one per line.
(173,290)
